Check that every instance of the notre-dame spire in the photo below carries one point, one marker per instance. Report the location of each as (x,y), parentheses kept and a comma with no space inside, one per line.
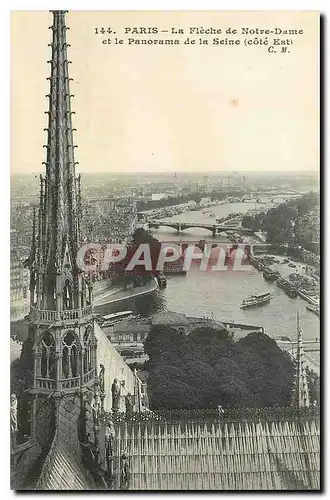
(58,231)
(62,341)
(61,312)
(300,390)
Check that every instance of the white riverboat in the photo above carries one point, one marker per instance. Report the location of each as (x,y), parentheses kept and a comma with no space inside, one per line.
(256,300)
(114,317)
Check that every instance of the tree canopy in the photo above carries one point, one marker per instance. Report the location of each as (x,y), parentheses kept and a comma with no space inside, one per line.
(208,368)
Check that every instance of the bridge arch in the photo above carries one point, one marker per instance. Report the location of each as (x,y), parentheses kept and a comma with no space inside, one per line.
(180,225)
(163,225)
(213,228)
(185,227)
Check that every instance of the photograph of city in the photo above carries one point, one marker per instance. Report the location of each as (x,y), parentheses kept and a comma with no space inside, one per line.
(165,251)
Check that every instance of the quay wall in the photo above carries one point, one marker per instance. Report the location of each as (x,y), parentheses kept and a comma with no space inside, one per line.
(118,295)
(241,326)
(307,297)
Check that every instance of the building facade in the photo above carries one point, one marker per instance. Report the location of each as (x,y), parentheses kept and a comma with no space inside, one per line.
(19,281)
(19,285)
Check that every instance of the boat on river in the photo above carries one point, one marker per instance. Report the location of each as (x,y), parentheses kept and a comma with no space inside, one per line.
(256,300)
(287,287)
(114,317)
(270,275)
(314,308)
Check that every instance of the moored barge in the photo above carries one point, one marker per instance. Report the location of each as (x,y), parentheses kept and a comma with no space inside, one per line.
(287,287)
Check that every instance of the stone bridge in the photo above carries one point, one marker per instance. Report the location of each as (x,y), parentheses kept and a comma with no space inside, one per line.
(216,229)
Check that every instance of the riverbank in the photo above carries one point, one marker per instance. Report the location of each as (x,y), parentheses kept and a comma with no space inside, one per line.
(117,295)
(292,274)
(256,203)
(189,206)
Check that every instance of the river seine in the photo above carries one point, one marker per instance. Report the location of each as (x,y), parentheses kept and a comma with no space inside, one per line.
(219,294)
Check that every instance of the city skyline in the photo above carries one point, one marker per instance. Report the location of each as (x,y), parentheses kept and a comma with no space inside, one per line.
(211,173)
(152,109)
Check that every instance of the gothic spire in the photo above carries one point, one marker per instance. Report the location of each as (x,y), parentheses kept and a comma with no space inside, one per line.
(58,230)
(300,390)
(60,207)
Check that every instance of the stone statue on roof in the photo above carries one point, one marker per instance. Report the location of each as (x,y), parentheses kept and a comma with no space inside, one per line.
(101,378)
(109,449)
(129,403)
(116,392)
(109,439)
(96,408)
(124,472)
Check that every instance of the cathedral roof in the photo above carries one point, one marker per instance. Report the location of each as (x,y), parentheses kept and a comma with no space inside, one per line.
(273,455)
(62,470)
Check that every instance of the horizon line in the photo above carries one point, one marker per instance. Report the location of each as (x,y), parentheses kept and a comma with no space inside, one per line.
(229,172)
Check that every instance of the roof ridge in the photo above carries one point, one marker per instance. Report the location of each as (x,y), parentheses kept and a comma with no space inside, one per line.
(47,461)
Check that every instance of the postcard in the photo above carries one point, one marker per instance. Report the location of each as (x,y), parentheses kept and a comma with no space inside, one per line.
(165,251)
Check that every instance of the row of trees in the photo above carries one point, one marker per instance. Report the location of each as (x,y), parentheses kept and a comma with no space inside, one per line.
(281,224)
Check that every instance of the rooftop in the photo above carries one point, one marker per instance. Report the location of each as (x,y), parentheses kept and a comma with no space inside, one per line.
(62,471)
(169,318)
(275,455)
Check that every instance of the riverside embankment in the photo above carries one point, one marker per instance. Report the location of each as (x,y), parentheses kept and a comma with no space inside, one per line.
(119,294)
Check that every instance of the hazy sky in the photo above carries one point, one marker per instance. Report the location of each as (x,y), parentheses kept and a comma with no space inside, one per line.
(171,108)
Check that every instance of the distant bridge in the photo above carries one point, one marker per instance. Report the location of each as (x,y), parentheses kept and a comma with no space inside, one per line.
(216,229)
